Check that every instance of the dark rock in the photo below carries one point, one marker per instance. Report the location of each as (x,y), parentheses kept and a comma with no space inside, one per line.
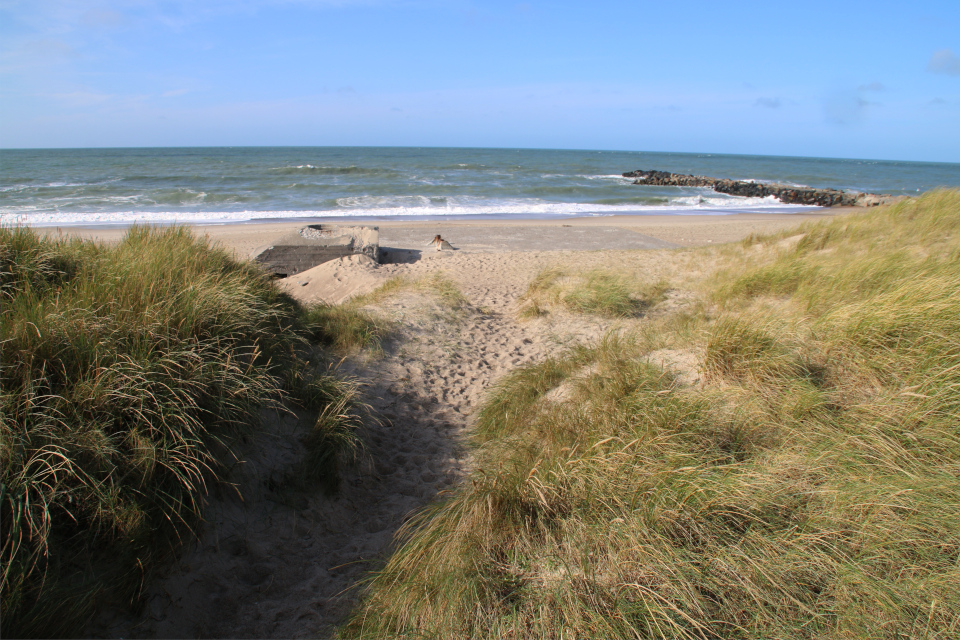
(784,193)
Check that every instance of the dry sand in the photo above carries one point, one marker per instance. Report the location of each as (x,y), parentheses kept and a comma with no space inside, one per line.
(278,562)
(683,230)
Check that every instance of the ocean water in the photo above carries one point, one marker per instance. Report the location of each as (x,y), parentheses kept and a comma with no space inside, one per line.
(231,185)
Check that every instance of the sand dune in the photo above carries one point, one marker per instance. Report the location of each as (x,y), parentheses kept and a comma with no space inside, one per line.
(276,562)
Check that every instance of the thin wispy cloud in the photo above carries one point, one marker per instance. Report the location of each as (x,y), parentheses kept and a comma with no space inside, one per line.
(39,52)
(73,16)
(103,18)
(944,61)
(554,69)
(846,108)
(82,98)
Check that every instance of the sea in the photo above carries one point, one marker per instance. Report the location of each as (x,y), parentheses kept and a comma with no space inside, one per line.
(231,185)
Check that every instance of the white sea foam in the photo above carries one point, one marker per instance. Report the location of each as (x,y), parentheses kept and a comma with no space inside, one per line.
(612,176)
(785,183)
(712,200)
(382,202)
(365,207)
(51,185)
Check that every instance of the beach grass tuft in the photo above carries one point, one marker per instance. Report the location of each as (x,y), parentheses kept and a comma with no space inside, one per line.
(127,371)
(806,487)
(334,438)
(345,328)
(438,286)
(597,292)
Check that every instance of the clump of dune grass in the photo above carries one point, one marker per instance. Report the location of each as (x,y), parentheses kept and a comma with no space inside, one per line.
(343,327)
(596,292)
(807,489)
(437,285)
(333,440)
(437,291)
(125,373)
(443,288)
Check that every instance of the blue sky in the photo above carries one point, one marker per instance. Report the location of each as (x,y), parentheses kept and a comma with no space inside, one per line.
(836,79)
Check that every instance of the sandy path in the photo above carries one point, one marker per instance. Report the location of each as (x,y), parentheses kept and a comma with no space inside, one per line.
(281,562)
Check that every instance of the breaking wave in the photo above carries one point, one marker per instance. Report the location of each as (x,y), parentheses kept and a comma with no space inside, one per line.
(309,169)
(411,207)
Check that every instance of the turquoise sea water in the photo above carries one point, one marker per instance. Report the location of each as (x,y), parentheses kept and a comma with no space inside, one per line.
(166,185)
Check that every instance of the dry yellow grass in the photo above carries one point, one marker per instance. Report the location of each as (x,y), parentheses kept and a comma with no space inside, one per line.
(125,372)
(809,488)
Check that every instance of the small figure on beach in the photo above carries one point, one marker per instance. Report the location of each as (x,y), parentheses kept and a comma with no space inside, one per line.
(440,243)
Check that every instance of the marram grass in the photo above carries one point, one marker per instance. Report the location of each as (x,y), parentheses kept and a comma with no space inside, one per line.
(598,292)
(124,373)
(438,285)
(808,488)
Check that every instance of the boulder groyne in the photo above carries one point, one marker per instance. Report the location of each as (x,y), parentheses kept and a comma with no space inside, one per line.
(787,194)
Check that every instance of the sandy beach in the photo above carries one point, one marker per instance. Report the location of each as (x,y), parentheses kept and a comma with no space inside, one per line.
(273,564)
(676,230)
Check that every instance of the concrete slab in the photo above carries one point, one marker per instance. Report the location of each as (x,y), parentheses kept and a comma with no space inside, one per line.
(315,244)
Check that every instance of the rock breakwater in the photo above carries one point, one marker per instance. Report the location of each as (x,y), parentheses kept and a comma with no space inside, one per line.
(787,194)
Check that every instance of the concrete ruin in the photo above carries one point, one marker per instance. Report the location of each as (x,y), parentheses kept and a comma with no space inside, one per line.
(316,244)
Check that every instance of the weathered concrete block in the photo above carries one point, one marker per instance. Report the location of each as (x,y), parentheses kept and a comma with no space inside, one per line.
(316,244)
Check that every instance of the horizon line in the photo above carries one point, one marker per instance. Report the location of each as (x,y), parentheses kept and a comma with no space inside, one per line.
(497,148)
